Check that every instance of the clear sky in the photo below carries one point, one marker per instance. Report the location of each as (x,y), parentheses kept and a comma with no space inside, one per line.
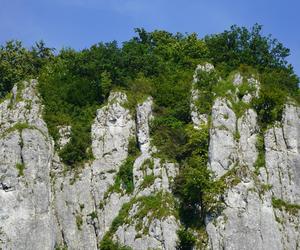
(81,23)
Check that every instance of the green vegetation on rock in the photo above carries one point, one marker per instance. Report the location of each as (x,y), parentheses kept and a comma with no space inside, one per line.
(20,167)
(283,205)
(108,244)
(124,177)
(74,84)
(155,206)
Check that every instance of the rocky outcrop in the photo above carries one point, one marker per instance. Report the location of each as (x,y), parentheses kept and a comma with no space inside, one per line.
(85,202)
(282,170)
(46,205)
(25,161)
(261,208)
(78,196)
(157,229)
(197,117)
(64,136)
(222,146)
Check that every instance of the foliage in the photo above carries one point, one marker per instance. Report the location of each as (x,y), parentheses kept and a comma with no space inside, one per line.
(137,91)
(124,178)
(108,244)
(18,63)
(148,180)
(277,86)
(206,84)
(79,221)
(61,247)
(93,215)
(260,161)
(231,48)
(194,185)
(186,239)
(168,136)
(74,83)
(159,205)
(240,46)
(20,167)
(71,101)
(283,205)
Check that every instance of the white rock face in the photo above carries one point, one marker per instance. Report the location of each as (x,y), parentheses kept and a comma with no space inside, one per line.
(111,130)
(198,118)
(26,218)
(40,213)
(143,117)
(85,208)
(82,220)
(74,207)
(162,232)
(65,135)
(222,146)
(249,219)
(44,206)
(247,222)
(23,107)
(247,130)
(282,157)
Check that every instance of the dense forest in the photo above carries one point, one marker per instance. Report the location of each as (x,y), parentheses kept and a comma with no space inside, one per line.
(73,84)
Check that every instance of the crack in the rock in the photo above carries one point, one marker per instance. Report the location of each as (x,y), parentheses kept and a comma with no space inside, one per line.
(95,204)
(21,146)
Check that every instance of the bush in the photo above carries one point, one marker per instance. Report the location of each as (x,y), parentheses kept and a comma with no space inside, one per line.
(124,178)
(20,167)
(269,106)
(186,239)
(18,63)
(109,244)
(194,185)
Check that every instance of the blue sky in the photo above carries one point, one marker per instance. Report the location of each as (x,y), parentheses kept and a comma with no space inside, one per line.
(81,23)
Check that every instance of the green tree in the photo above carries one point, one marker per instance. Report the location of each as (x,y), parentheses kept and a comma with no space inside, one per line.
(239,45)
(105,84)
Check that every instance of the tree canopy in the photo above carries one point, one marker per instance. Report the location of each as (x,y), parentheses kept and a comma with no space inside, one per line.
(74,83)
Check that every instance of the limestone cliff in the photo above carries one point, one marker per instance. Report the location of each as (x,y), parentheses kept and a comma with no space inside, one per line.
(45,205)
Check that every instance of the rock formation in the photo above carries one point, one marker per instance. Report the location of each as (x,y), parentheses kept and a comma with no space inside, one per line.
(45,205)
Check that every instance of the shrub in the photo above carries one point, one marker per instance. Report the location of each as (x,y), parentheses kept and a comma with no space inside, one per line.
(124,177)
(79,221)
(269,105)
(20,167)
(194,185)
(109,244)
(186,239)
(148,180)
(281,204)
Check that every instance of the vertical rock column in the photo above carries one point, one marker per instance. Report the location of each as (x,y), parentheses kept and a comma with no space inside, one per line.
(26,218)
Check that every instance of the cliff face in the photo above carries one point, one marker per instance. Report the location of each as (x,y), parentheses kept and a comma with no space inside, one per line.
(46,206)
